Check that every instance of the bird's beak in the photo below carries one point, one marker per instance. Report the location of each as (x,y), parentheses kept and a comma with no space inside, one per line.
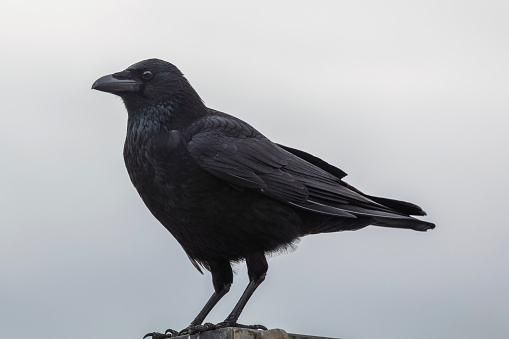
(110,84)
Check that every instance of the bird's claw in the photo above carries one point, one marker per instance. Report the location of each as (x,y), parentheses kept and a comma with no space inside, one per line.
(209,326)
(173,333)
(157,335)
(234,324)
(192,329)
(169,333)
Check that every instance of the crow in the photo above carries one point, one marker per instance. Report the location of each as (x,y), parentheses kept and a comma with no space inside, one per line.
(225,191)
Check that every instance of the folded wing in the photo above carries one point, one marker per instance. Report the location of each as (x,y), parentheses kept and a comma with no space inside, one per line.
(235,152)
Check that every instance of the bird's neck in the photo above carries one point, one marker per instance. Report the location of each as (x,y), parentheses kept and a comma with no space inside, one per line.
(171,114)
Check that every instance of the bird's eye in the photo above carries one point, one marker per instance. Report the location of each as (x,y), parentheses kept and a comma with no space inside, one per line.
(147,75)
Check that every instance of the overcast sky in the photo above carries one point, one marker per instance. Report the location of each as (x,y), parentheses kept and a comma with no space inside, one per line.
(411,99)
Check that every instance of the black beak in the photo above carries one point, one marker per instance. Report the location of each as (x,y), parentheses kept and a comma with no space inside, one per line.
(113,85)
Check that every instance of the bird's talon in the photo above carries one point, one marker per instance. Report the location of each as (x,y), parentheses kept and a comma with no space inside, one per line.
(234,324)
(199,328)
(224,324)
(173,333)
(157,335)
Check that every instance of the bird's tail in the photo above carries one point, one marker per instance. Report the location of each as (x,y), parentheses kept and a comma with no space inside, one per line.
(401,221)
(408,222)
(332,224)
(385,213)
(398,205)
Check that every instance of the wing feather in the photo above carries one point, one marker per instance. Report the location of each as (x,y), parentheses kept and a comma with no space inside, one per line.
(235,152)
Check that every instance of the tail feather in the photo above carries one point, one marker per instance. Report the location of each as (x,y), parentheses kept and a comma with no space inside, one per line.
(398,205)
(332,224)
(381,211)
(410,223)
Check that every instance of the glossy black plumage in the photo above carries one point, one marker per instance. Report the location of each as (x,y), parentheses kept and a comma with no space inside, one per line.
(225,191)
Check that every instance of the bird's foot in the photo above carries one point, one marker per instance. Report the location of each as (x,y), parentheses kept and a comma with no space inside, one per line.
(192,329)
(235,324)
(169,333)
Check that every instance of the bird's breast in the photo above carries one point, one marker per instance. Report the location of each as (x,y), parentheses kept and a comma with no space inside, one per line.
(162,171)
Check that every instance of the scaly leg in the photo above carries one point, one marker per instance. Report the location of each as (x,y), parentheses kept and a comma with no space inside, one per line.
(222,278)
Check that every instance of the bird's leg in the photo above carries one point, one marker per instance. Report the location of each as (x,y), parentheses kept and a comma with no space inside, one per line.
(222,278)
(195,325)
(257,268)
(231,320)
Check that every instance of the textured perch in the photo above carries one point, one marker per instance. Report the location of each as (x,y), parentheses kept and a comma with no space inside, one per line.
(241,333)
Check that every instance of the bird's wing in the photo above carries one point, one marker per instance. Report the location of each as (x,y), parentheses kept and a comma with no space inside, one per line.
(338,173)
(398,205)
(233,151)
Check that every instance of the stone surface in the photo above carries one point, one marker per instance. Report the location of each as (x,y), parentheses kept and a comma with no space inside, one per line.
(242,333)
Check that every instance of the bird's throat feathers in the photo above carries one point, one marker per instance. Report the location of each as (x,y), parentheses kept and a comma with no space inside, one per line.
(168,114)
(146,131)
(150,119)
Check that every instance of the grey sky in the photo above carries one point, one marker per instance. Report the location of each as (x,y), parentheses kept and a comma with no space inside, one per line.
(411,99)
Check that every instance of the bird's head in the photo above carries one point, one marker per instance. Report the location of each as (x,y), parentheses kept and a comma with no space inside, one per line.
(148,83)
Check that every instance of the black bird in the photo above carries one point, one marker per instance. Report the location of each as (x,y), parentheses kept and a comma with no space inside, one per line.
(225,191)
